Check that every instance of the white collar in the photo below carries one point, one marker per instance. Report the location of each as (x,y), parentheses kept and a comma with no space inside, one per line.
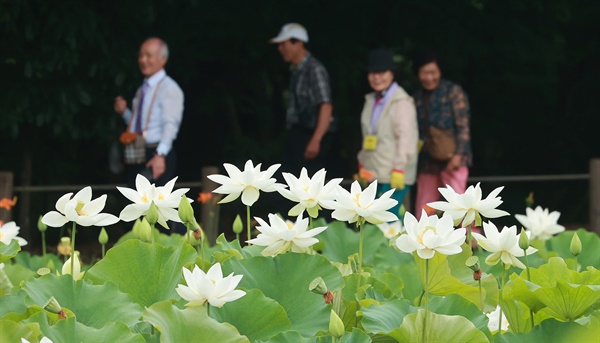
(154,79)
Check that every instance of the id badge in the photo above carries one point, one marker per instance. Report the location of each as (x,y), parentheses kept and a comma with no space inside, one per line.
(370,142)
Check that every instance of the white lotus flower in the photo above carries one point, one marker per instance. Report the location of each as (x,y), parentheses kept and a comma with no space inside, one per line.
(493,320)
(431,234)
(503,245)
(391,229)
(209,287)
(77,273)
(165,199)
(43,340)
(248,183)
(311,194)
(280,236)
(541,223)
(361,205)
(8,232)
(81,209)
(467,206)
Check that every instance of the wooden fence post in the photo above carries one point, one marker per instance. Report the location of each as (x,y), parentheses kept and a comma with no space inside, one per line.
(209,209)
(6,191)
(595,195)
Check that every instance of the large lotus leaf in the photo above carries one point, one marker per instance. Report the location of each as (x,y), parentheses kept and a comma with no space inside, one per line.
(13,302)
(191,324)
(11,331)
(18,273)
(388,256)
(552,330)
(8,251)
(341,242)
(385,318)
(408,273)
(70,330)
(392,281)
(290,336)
(93,305)
(148,272)
(438,328)
(159,238)
(590,252)
(285,278)
(518,316)
(442,282)
(566,294)
(224,249)
(268,317)
(35,262)
(370,288)
(456,305)
(356,336)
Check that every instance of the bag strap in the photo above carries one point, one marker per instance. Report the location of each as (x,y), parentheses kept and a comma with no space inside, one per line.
(149,110)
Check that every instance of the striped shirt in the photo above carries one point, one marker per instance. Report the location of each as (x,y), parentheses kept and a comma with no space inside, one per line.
(309,88)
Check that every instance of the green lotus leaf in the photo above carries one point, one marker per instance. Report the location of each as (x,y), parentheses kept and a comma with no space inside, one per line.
(517,314)
(290,336)
(94,305)
(442,281)
(35,262)
(13,302)
(370,288)
(147,272)
(268,318)
(385,318)
(18,273)
(70,330)
(8,251)
(454,304)
(11,331)
(552,330)
(191,324)
(563,293)
(355,336)
(392,282)
(341,242)
(225,249)
(408,273)
(590,252)
(159,238)
(439,328)
(285,278)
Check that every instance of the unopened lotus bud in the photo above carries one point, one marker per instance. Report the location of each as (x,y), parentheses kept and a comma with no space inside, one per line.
(336,326)
(136,228)
(145,231)
(103,237)
(318,286)
(64,247)
(238,226)
(41,226)
(43,271)
(575,245)
(185,210)
(152,216)
(523,240)
(529,200)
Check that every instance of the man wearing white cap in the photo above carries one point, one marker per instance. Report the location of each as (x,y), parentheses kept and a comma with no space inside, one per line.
(309,113)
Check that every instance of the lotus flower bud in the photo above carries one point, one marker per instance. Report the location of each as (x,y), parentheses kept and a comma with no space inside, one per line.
(318,286)
(529,200)
(575,245)
(523,240)
(186,212)
(152,216)
(41,226)
(64,247)
(145,231)
(238,226)
(103,237)
(336,326)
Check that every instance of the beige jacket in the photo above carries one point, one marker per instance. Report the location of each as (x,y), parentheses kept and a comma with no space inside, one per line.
(397,137)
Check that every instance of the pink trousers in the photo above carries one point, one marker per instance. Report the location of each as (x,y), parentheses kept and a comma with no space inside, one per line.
(428,184)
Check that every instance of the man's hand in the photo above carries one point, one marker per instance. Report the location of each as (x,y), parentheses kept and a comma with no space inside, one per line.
(120,105)
(312,150)
(397,179)
(454,163)
(158,165)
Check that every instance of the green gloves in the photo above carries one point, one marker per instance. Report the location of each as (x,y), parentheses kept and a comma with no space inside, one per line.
(397,179)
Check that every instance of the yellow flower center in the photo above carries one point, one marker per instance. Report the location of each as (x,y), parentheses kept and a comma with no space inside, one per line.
(1,235)
(79,208)
(145,198)
(290,225)
(427,228)
(161,196)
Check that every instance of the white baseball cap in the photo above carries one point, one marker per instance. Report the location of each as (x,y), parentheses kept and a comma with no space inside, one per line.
(291,30)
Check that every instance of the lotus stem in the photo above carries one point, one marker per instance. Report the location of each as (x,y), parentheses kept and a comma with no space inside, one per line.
(208,309)
(501,288)
(43,243)
(5,284)
(360,253)
(528,279)
(103,250)
(481,296)
(73,248)
(248,223)
(426,298)
(470,236)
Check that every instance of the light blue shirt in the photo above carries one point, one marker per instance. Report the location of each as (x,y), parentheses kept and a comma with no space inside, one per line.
(166,112)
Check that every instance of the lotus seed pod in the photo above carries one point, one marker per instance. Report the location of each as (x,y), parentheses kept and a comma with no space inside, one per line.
(318,286)
(52,306)
(473,263)
(43,271)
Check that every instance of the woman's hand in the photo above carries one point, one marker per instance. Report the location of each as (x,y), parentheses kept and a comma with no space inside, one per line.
(454,163)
